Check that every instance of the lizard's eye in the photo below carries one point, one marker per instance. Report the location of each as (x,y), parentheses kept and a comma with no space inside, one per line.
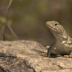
(55,24)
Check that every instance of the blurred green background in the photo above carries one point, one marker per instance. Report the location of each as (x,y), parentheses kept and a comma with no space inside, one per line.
(28,18)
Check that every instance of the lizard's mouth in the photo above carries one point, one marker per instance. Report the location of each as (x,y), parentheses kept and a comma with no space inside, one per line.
(51,28)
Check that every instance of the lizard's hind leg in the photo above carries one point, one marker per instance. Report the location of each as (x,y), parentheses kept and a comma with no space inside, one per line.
(68,56)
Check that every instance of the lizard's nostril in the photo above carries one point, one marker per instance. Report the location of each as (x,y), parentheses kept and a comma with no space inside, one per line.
(46,23)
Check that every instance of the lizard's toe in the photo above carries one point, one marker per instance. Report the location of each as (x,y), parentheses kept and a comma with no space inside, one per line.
(68,56)
(45,55)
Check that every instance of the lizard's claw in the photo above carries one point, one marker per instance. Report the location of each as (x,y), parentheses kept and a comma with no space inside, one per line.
(45,55)
(68,56)
(49,56)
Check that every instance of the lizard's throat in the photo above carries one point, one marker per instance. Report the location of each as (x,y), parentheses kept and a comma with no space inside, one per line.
(60,37)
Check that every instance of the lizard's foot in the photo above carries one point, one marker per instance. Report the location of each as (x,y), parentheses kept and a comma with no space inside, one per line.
(45,55)
(68,56)
(48,56)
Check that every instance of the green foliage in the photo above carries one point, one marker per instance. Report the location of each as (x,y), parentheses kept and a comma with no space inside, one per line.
(28,17)
(7,22)
(2,22)
(10,2)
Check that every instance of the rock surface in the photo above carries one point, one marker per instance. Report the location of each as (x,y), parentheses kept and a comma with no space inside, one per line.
(20,56)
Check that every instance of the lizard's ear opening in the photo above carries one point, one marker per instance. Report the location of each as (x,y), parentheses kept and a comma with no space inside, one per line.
(55,24)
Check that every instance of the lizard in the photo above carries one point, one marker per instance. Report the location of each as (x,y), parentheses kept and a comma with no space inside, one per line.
(63,43)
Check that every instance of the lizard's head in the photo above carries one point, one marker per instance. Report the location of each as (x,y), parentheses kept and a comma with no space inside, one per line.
(55,28)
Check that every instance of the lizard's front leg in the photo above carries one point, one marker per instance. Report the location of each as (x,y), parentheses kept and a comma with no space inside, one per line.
(51,50)
(48,52)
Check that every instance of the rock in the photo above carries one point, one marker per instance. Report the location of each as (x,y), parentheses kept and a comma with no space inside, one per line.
(21,56)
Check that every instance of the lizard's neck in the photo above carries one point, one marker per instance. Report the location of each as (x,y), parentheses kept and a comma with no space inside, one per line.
(65,39)
(60,37)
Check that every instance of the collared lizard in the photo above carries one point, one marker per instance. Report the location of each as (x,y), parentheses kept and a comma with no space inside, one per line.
(63,44)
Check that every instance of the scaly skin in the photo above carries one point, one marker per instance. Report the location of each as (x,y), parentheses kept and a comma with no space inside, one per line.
(63,44)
